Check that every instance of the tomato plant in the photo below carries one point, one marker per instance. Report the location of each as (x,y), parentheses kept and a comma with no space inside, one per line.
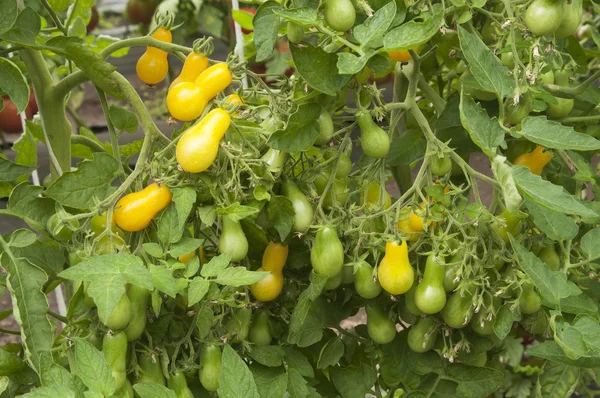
(403,202)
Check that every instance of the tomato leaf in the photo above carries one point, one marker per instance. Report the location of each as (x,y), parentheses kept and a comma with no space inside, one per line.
(370,33)
(548,195)
(26,147)
(296,360)
(503,174)
(270,382)
(551,134)
(266,24)
(91,367)
(319,69)
(406,148)
(552,285)
(303,16)
(123,119)
(297,385)
(216,265)
(280,213)
(558,380)
(238,276)
(354,381)
(300,132)
(579,304)
(164,281)
(475,382)
(269,355)
(551,351)
(557,226)
(414,33)
(22,238)
(13,83)
(235,379)
(9,14)
(589,243)
(306,324)
(504,320)
(170,229)
(484,132)
(10,171)
(331,353)
(25,29)
(197,290)
(350,64)
(237,211)
(153,390)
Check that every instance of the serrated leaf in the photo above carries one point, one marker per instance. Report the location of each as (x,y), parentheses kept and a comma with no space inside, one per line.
(319,69)
(153,390)
(13,83)
(270,382)
(237,211)
(26,203)
(412,34)
(235,379)
(556,226)
(10,171)
(558,380)
(303,16)
(268,355)
(238,276)
(169,228)
(406,148)
(589,243)
(123,119)
(300,131)
(164,281)
(22,238)
(484,132)
(280,213)
(354,381)
(552,285)
(26,148)
(216,265)
(153,249)
(475,382)
(94,67)
(184,246)
(551,134)
(548,195)
(90,183)
(487,69)
(297,385)
(331,353)
(503,174)
(579,304)
(25,29)
(350,64)
(266,24)
(505,318)
(197,290)
(551,351)
(370,32)
(91,367)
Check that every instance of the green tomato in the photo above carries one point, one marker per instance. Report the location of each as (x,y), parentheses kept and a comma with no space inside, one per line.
(295,32)
(508,59)
(514,114)
(490,32)
(365,284)
(274,160)
(458,310)
(126,391)
(423,336)
(233,240)
(327,254)
(99,223)
(210,366)
(547,77)
(381,329)
(260,329)
(114,348)
(530,301)
(430,296)
(543,17)
(60,231)
(347,274)
(326,128)
(333,282)
(481,325)
(150,370)
(139,298)
(478,361)
(338,192)
(302,207)
(549,255)
(451,272)
(571,20)
(510,226)
(561,109)
(178,384)
(440,166)
(374,140)
(238,325)
(340,14)
(120,316)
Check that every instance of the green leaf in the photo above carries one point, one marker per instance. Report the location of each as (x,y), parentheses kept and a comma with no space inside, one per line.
(153,249)
(505,318)
(270,382)
(266,24)
(487,69)
(551,351)
(184,246)
(552,285)
(556,226)
(370,32)
(10,363)
(26,147)
(504,175)
(43,254)
(551,134)
(350,64)
(406,148)
(22,238)
(237,211)
(235,379)
(59,5)
(589,243)
(319,69)
(49,392)
(26,203)
(280,213)
(238,276)
(558,380)
(484,132)
(303,16)
(548,195)
(243,18)
(306,324)
(590,331)
(579,304)
(91,367)
(10,171)
(296,360)
(25,29)
(106,293)
(13,83)
(9,14)
(300,132)
(216,265)
(87,185)
(197,290)
(123,119)
(354,381)
(331,353)
(94,67)
(153,390)
(475,382)
(204,321)
(165,282)
(30,306)
(297,386)
(268,355)
(169,228)
(184,199)
(414,33)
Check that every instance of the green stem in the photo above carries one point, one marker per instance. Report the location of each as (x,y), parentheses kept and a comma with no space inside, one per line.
(341,39)
(570,92)
(438,103)
(400,172)
(14,332)
(56,126)
(114,139)
(54,17)
(58,316)
(580,119)
(143,42)
(88,142)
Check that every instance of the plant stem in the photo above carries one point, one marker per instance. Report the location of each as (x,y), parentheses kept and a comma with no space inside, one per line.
(570,92)
(13,332)
(58,316)
(88,142)
(54,17)
(114,140)
(580,119)
(438,103)
(400,172)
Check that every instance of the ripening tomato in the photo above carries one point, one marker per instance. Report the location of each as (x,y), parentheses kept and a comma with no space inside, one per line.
(152,67)
(375,196)
(430,296)
(340,14)
(416,219)
(374,140)
(509,225)
(404,226)
(273,261)
(302,207)
(139,298)
(401,55)
(198,147)
(543,17)
(120,316)
(395,272)
(114,349)
(422,336)
(232,239)
(214,80)
(135,211)
(571,20)
(99,223)
(381,329)
(365,281)
(535,160)
(210,366)
(186,101)
(327,254)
